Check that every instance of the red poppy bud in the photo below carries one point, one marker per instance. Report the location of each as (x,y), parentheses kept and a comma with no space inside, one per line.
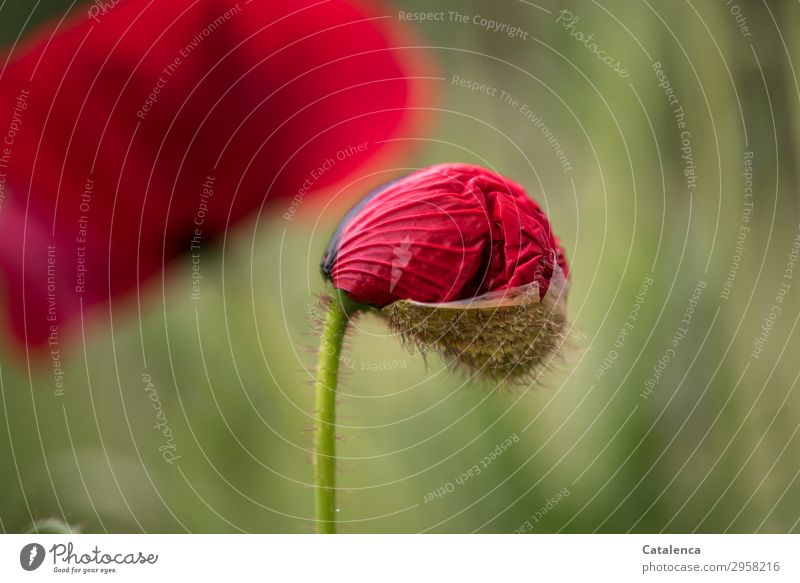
(465,261)
(444,233)
(132,132)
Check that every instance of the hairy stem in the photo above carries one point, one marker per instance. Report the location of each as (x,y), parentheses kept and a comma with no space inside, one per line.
(339,312)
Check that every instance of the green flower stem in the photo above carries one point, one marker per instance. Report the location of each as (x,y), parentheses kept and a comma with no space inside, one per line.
(339,312)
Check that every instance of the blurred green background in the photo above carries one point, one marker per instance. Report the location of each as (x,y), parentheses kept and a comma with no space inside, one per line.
(712,446)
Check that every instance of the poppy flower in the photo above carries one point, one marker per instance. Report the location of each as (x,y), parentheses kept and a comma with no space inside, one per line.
(461,261)
(133,131)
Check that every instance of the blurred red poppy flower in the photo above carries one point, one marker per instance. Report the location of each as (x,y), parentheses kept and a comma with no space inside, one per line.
(129,131)
(445,233)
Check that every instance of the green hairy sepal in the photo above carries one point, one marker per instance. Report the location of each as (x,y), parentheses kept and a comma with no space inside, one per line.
(510,336)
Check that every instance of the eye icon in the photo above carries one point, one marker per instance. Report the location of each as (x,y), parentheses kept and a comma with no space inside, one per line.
(31,556)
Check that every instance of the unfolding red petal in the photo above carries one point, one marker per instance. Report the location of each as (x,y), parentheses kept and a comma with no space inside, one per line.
(444,233)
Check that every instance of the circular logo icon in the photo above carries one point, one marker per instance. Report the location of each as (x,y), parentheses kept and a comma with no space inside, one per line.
(31,556)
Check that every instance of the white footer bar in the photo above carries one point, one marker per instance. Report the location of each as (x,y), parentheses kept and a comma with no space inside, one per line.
(406,558)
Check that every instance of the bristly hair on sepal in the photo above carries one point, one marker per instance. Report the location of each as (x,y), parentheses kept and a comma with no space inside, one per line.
(511,336)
